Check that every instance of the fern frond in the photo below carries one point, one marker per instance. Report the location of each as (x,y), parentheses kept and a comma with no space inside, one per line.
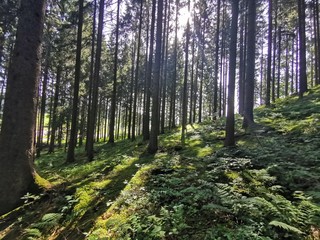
(216,207)
(32,233)
(48,220)
(285,226)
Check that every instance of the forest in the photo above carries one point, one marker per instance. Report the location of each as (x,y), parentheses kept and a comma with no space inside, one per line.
(159,119)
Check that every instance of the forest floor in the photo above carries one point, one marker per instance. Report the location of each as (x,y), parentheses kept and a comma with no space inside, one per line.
(267,187)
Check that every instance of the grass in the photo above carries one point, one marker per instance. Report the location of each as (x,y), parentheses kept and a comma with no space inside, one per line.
(267,187)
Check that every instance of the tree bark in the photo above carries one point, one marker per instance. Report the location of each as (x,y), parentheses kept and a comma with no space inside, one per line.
(269,54)
(185,84)
(153,141)
(92,64)
(303,87)
(95,86)
(17,173)
(250,66)
(216,62)
(114,88)
(136,76)
(75,103)
(54,110)
(229,141)
(146,113)
(43,103)
(172,117)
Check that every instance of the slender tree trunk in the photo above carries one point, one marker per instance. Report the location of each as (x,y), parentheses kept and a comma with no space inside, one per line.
(216,63)
(99,120)
(242,56)
(195,91)
(165,67)
(90,87)
(303,86)
(273,89)
(286,84)
(269,78)
(261,73)
(185,83)
(316,46)
(95,86)
(279,62)
(191,81)
(75,103)
(17,174)
(114,88)
(230,141)
(43,103)
(174,77)
(146,114)
(201,90)
(317,38)
(50,119)
(105,121)
(203,26)
(292,66)
(250,66)
(136,77)
(82,122)
(54,124)
(131,91)
(153,141)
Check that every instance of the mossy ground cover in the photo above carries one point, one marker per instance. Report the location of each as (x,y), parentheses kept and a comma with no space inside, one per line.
(267,187)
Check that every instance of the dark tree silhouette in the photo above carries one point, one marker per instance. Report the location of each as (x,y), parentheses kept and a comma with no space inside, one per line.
(303,87)
(229,141)
(17,175)
(153,141)
(250,65)
(75,103)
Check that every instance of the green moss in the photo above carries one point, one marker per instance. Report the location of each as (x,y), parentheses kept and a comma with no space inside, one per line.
(41,182)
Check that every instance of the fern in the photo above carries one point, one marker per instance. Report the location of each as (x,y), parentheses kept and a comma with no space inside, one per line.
(48,220)
(216,207)
(32,233)
(285,226)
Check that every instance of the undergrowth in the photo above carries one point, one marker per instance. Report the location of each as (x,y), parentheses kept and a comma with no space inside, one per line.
(267,187)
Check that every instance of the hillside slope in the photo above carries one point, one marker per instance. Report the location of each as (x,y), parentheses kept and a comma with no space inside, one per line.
(268,187)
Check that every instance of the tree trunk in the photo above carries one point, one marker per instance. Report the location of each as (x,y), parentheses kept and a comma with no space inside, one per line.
(216,62)
(92,64)
(279,62)
(136,77)
(192,82)
(114,88)
(172,117)
(17,174)
(153,141)
(317,38)
(95,86)
(242,55)
(269,79)
(43,103)
(185,84)
(303,87)
(75,103)
(146,113)
(273,86)
(229,141)
(54,110)
(165,67)
(286,85)
(131,91)
(250,66)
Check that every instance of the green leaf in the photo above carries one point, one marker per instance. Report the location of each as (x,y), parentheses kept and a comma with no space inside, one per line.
(285,226)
